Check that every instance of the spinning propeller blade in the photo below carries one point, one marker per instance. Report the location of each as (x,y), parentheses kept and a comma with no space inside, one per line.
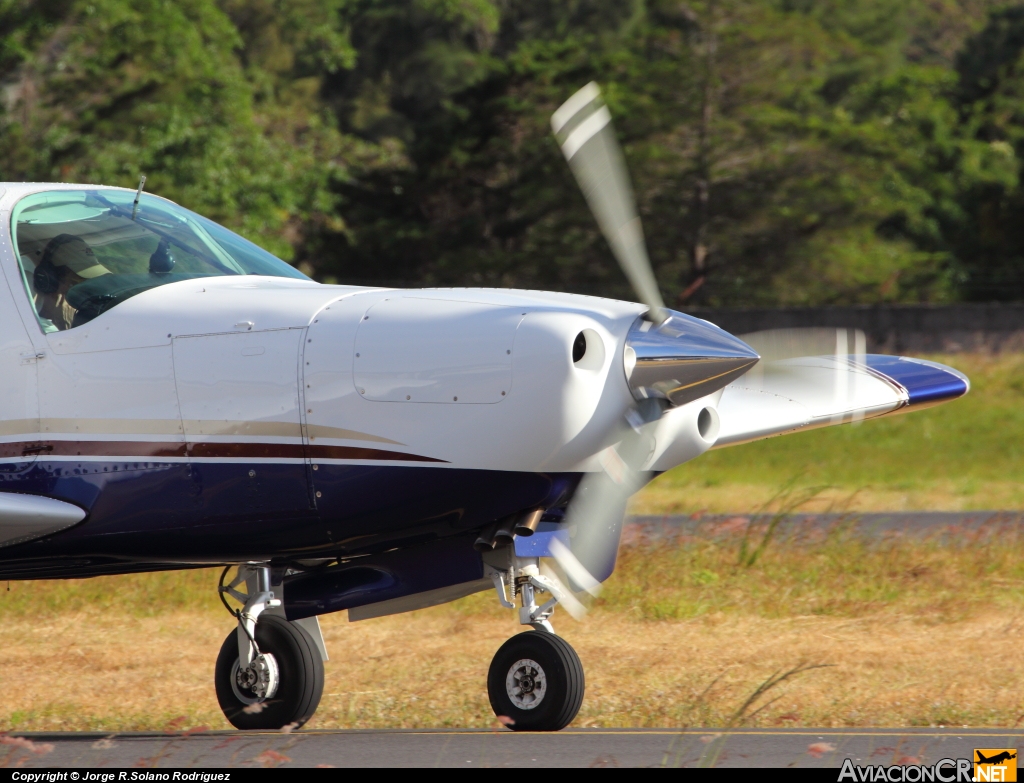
(595,515)
(776,345)
(583,127)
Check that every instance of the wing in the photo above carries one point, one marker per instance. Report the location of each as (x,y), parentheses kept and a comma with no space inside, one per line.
(808,392)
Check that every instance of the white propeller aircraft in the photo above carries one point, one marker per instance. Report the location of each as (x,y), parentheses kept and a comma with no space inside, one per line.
(175,397)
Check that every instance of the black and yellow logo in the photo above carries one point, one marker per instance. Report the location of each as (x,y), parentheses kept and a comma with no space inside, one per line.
(995,764)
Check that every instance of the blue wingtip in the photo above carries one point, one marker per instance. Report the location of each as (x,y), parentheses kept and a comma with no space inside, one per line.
(927,383)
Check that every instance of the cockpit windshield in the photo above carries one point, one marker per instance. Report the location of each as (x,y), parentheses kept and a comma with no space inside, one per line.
(83,252)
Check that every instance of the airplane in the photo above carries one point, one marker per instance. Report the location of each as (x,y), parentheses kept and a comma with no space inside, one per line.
(176,397)
(996,759)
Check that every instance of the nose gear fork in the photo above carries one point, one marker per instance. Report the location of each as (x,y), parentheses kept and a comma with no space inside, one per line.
(535,680)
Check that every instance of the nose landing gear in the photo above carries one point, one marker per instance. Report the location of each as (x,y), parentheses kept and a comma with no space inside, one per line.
(535,681)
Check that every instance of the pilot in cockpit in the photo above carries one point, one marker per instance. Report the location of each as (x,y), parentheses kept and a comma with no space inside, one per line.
(67,261)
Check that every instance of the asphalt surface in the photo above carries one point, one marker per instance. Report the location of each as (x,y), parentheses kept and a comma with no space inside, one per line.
(875,525)
(501,748)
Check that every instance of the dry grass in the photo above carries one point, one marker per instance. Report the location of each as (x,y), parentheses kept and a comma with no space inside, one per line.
(914,633)
(430,669)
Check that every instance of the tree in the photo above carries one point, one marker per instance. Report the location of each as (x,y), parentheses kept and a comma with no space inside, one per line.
(785,151)
(118,88)
(990,96)
(780,153)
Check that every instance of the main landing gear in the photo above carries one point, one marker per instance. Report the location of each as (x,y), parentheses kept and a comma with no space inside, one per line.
(270,673)
(535,681)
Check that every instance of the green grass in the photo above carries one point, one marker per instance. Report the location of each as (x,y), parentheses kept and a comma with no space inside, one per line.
(968,453)
(138,595)
(941,579)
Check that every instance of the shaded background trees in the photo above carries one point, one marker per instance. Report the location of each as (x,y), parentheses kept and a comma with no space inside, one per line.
(783,151)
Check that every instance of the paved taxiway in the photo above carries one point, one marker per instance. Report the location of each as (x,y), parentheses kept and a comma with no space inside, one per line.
(500,748)
(873,525)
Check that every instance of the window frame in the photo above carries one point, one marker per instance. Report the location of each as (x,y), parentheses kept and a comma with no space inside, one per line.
(212,245)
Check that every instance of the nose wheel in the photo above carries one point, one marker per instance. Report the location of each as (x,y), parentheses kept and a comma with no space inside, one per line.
(536,682)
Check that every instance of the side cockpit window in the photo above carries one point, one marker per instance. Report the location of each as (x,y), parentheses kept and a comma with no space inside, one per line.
(64,262)
(83,252)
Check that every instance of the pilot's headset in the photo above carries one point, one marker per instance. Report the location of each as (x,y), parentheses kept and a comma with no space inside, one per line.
(46,279)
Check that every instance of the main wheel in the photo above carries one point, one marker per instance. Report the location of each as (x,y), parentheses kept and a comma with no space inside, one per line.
(300,678)
(536,680)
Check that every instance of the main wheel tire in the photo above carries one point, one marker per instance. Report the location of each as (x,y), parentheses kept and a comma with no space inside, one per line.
(536,681)
(301,682)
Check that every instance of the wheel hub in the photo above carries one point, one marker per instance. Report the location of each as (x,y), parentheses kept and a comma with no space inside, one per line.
(526,683)
(258,681)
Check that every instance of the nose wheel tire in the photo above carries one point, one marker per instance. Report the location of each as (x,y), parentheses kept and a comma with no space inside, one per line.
(300,678)
(536,681)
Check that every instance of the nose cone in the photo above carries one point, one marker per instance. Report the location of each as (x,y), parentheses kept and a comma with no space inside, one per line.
(683,359)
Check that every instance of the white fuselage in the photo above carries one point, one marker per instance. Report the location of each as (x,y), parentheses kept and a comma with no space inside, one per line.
(246,414)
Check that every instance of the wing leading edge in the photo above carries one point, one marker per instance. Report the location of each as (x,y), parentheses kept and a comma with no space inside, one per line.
(810,392)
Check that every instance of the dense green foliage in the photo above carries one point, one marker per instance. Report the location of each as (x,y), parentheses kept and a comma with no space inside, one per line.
(782,150)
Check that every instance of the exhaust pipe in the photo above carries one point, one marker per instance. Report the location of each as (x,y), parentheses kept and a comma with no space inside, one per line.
(527,523)
(504,531)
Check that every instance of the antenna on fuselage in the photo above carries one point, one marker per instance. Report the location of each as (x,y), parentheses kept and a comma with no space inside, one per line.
(138,195)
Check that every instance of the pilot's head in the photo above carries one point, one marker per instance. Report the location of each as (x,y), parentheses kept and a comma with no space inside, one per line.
(70,255)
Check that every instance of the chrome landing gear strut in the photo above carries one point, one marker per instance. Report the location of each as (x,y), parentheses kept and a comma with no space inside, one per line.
(524,579)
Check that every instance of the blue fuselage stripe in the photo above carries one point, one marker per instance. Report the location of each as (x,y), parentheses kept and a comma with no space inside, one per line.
(217,511)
